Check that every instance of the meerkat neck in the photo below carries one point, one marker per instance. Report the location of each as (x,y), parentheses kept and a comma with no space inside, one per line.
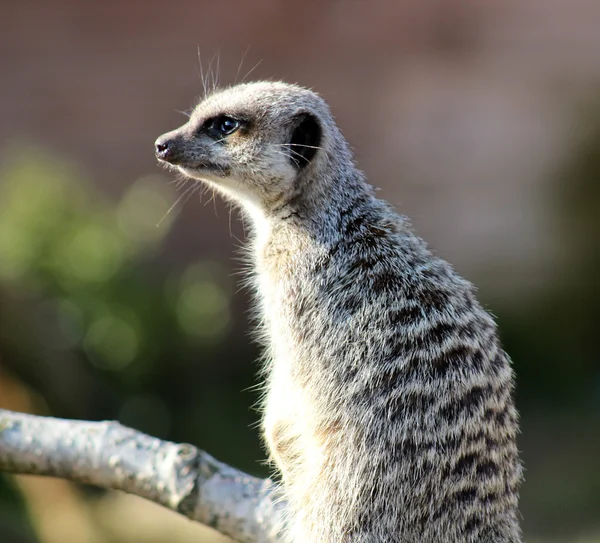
(324,194)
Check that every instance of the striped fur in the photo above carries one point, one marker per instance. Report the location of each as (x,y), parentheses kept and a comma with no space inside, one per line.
(388,407)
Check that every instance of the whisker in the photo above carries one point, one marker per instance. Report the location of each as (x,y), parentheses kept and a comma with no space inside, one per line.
(240,65)
(294,152)
(301,156)
(282,153)
(211,199)
(178,182)
(214,201)
(183,194)
(216,142)
(197,188)
(201,72)
(297,145)
(254,68)
(211,80)
(218,70)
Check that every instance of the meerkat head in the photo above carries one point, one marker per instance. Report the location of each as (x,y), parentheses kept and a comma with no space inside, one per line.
(254,142)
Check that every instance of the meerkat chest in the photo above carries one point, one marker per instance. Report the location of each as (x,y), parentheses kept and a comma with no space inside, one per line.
(286,302)
(275,295)
(282,266)
(290,308)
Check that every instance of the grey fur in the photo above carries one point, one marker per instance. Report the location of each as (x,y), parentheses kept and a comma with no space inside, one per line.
(388,407)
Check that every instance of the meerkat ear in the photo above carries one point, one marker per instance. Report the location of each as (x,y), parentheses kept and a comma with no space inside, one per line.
(305,140)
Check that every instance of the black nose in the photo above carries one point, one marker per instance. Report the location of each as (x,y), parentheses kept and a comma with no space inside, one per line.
(163,149)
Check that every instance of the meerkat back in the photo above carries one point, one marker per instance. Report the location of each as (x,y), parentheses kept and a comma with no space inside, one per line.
(388,410)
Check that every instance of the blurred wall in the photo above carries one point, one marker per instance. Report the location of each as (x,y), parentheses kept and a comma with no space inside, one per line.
(478,120)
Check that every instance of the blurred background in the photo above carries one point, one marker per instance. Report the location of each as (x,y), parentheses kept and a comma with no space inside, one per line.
(479,120)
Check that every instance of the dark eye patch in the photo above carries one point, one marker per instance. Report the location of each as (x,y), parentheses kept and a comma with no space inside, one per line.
(221,126)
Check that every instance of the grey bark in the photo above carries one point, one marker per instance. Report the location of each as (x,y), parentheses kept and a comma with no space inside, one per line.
(178,476)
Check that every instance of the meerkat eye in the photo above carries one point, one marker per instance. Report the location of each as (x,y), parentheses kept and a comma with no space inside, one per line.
(227,125)
(220,127)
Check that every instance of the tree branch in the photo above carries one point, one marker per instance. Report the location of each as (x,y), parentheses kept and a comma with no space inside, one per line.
(178,476)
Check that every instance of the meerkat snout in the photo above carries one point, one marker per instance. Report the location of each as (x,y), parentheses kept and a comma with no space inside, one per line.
(165,149)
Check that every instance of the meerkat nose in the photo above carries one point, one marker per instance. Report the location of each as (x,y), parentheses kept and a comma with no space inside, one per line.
(164,149)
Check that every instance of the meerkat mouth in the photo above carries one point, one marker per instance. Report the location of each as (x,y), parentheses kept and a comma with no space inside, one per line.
(196,169)
(203,169)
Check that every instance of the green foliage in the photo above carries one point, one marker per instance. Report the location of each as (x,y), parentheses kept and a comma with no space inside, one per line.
(61,239)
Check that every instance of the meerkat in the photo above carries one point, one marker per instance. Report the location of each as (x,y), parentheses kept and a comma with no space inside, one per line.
(388,408)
